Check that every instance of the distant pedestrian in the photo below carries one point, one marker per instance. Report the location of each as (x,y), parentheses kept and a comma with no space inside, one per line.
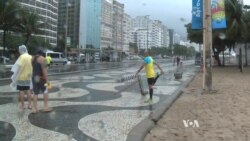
(48,60)
(21,78)
(40,80)
(150,72)
(178,59)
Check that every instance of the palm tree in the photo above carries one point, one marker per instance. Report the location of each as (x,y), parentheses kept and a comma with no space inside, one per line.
(236,24)
(9,14)
(30,24)
(246,16)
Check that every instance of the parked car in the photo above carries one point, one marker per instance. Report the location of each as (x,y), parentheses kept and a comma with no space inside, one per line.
(105,57)
(57,57)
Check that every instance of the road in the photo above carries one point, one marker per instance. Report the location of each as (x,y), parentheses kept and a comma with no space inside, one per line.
(88,106)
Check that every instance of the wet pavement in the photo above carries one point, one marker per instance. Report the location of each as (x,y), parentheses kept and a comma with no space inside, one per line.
(90,106)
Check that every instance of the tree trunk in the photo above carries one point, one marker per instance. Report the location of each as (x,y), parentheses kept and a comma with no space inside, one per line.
(223,59)
(4,43)
(27,39)
(246,54)
(240,61)
(217,58)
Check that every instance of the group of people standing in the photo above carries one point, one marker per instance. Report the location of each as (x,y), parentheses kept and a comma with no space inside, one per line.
(30,76)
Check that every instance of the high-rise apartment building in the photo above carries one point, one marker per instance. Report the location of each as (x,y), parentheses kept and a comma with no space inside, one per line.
(165,40)
(69,10)
(171,37)
(93,23)
(157,34)
(143,25)
(107,24)
(126,32)
(48,13)
(118,11)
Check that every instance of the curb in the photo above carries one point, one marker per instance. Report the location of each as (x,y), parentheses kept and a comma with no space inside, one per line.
(139,132)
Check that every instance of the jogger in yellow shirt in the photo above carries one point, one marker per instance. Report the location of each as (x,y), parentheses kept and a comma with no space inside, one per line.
(150,72)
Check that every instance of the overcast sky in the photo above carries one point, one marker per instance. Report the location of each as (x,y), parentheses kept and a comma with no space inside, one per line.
(169,12)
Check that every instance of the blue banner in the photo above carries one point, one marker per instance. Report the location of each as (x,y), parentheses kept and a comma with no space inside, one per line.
(197,14)
(218,14)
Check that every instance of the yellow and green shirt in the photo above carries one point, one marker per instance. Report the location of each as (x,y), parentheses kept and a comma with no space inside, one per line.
(149,67)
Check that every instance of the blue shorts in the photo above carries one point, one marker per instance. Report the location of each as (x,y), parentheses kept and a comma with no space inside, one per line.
(38,87)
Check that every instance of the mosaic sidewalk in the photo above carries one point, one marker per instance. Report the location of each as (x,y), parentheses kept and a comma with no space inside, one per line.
(88,107)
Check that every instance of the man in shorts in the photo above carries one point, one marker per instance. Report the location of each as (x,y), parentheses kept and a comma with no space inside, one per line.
(40,79)
(22,72)
(150,72)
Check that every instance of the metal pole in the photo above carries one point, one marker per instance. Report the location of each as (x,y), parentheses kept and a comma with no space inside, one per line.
(147,32)
(66,30)
(207,42)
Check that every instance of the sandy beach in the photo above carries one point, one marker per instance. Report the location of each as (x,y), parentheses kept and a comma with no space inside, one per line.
(221,116)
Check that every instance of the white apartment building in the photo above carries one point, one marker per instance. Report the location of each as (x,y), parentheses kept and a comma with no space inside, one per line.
(155,31)
(106,24)
(117,35)
(143,26)
(157,34)
(48,12)
(126,33)
(165,39)
(142,39)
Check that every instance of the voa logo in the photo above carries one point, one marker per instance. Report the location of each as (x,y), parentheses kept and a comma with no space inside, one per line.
(190,123)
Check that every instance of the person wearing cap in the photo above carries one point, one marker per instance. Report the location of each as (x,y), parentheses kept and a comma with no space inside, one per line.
(150,72)
(40,80)
(21,78)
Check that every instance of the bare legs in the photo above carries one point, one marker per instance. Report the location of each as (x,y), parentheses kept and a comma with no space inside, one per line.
(35,110)
(21,99)
(45,103)
(29,99)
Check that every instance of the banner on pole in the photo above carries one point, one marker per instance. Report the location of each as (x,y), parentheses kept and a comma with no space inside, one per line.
(218,14)
(197,14)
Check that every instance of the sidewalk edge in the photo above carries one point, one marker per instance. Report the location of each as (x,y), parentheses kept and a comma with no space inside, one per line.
(139,132)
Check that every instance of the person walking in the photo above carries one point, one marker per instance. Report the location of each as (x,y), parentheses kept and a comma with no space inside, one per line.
(40,80)
(48,60)
(150,72)
(21,78)
(178,59)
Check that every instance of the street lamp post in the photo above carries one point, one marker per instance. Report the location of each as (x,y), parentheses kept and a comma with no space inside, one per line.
(207,42)
(66,29)
(147,31)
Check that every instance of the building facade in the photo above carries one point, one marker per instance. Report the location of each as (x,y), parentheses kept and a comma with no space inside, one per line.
(126,32)
(157,34)
(69,10)
(165,40)
(106,24)
(117,35)
(143,26)
(171,37)
(48,13)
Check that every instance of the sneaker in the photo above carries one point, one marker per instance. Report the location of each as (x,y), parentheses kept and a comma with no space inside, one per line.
(149,101)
